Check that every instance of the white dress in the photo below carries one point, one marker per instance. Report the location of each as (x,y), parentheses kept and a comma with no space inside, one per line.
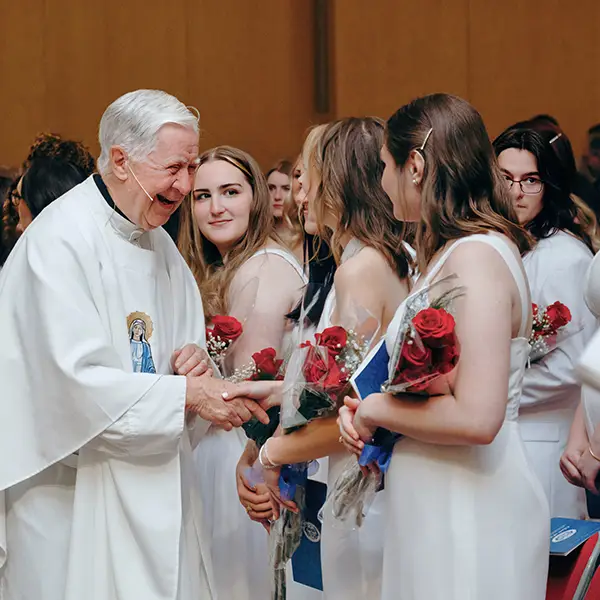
(556,270)
(239,546)
(467,522)
(351,559)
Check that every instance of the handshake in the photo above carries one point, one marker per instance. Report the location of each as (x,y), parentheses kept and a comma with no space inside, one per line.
(221,402)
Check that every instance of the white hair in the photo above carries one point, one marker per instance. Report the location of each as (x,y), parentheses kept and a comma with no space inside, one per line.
(134,120)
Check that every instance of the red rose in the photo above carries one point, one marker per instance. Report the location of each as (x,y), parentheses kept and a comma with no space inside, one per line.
(558,315)
(267,365)
(335,380)
(322,370)
(435,326)
(414,362)
(534,309)
(333,338)
(446,358)
(226,328)
(418,379)
(415,355)
(315,367)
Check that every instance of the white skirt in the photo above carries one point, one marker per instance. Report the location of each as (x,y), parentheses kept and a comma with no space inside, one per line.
(352,559)
(239,546)
(465,523)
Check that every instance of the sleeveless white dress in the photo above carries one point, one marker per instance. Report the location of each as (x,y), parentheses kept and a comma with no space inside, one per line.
(351,559)
(239,546)
(467,522)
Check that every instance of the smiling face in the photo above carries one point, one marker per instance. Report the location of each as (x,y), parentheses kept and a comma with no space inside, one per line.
(222,201)
(279,189)
(160,182)
(521,166)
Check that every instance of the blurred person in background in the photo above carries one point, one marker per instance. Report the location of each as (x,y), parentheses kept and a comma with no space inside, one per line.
(8,178)
(538,166)
(283,203)
(53,167)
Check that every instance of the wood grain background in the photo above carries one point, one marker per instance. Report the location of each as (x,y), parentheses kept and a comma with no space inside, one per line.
(248,65)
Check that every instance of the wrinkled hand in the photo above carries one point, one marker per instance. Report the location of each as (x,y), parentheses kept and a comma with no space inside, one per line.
(191,360)
(256,500)
(205,398)
(569,465)
(589,467)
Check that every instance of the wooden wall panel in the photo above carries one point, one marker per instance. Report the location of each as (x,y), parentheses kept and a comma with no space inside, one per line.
(76,68)
(388,52)
(247,66)
(22,66)
(536,57)
(250,74)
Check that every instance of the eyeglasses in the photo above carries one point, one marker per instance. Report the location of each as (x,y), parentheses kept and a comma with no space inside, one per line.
(529,186)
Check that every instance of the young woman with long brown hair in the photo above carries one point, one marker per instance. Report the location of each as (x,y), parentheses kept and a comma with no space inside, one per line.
(538,166)
(350,210)
(242,270)
(465,515)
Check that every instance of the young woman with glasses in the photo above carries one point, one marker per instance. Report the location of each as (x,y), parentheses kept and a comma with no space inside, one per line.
(539,170)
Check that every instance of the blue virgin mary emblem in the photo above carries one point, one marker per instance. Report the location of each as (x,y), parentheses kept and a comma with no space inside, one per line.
(140,331)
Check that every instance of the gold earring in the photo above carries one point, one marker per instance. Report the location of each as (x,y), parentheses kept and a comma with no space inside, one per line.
(415,182)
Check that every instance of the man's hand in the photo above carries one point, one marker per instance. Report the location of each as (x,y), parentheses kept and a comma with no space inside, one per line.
(205,397)
(190,360)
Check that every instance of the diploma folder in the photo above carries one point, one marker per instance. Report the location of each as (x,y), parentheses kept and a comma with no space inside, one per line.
(372,373)
(306,561)
(568,534)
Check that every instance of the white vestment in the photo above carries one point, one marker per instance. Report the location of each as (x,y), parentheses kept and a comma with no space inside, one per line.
(80,285)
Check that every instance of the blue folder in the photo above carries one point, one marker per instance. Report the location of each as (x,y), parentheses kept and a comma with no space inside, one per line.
(306,561)
(373,373)
(568,534)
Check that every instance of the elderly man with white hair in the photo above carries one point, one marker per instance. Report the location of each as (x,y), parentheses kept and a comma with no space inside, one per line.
(101,375)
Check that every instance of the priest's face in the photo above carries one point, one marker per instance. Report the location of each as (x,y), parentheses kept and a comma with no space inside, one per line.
(164,178)
(222,201)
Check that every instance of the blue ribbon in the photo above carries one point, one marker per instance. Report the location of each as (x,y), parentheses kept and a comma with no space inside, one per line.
(380,450)
(290,477)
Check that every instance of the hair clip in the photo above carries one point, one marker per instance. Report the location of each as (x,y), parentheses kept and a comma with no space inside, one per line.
(422,146)
(558,135)
(195,112)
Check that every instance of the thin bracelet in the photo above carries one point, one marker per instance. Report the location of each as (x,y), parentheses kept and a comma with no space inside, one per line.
(592,453)
(263,458)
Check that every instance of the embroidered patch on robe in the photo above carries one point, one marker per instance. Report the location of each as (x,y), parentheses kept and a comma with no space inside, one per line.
(140,331)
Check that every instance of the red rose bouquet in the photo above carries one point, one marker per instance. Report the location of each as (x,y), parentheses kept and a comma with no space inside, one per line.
(425,350)
(220,336)
(317,373)
(264,366)
(546,326)
(320,371)
(430,348)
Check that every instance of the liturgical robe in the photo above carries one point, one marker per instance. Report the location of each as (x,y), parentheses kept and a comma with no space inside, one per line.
(97,496)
